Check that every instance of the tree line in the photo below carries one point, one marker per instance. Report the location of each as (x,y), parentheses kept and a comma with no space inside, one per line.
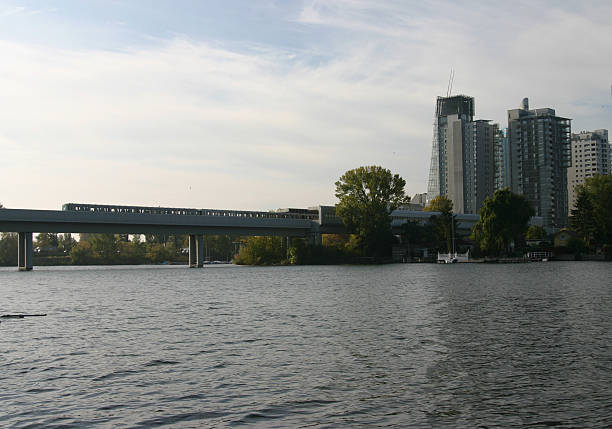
(367,196)
(111,249)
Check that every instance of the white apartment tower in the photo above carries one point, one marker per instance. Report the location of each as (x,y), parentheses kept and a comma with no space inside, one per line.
(591,155)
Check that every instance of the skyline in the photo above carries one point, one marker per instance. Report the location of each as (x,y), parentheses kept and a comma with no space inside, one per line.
(240,105)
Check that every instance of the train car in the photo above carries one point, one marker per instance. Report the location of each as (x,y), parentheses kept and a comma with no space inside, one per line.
(290,213)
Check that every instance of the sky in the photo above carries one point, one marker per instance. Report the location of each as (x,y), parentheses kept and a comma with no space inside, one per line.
(263,104)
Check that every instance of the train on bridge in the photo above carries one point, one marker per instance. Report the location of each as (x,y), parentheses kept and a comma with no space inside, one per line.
(290,213)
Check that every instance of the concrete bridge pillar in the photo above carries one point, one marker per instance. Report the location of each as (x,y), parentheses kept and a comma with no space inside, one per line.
(200,251)
(315,238)
(25,251)
(286,245)
(196,250)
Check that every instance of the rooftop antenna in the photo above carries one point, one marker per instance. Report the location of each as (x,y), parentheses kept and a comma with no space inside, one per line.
(451,78)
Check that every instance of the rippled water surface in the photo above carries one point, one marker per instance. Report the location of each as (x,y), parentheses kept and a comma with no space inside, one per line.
(407,345)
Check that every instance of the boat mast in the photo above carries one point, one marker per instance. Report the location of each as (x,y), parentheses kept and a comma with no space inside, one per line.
(453,231)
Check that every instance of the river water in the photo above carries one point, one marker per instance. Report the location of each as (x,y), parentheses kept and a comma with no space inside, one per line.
(406,345)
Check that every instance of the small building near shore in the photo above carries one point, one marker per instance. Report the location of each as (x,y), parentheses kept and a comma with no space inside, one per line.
(563,237)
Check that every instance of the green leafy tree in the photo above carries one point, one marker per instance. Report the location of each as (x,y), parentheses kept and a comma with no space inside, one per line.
(535,232)
(338,241)
(441,204)
(8,249)
(262,251)
(582,217)
(82,254)
(66,242)
(105,247)
(576,246)
(416,234)
(179,240)
(220,247)
(159,238)
(504,219)
(132,252)
(367,197)
(47,240)
(158,253)
(443,225)
(592,214)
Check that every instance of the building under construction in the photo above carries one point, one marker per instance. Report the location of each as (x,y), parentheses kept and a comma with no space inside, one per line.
(462,157)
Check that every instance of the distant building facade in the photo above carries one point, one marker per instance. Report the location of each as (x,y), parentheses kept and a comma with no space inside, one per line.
(479,165)
(418,202)
(591,155)
(462,161)
(539,147)
(502,160)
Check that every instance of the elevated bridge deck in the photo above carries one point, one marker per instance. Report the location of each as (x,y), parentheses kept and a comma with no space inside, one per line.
(88,218)
(117,219)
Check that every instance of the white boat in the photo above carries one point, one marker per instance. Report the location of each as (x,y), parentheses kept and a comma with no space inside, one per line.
(538,256)
(454,257)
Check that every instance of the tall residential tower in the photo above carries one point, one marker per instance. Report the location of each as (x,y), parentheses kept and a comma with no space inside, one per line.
(591,155)
(539,144)
(502,160)
(462,159)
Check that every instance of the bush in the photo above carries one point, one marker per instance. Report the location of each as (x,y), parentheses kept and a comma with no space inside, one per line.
(8,249)
(261,251)
(83,254)
(576,246)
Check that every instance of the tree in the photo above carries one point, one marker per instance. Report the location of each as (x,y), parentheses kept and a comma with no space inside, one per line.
(441,204)
(158,253)
(47,241)
(105,247)
(82,254)
(416,234)
(367,197)
(8,248)
(504,219)
(132,252)
(262,251)
(66,242)
(592,215)
(443,224)
(338,241)
(535,232)
(159,238)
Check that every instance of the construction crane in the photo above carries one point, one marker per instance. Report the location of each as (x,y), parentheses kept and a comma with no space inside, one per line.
(451,78)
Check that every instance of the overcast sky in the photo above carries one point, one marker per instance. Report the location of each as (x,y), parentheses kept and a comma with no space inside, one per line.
(261,104)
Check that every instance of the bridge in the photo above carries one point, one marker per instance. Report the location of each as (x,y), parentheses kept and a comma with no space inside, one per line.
(95,218)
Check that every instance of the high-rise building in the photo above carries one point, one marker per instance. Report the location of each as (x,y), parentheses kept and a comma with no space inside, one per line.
(502,160)
(451,114)
(420,199)
(539,144)
(479,164)
(462,160)
(591,155)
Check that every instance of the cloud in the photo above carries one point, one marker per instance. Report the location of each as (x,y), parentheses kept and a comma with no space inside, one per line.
(501,52)
(281,132)
(14,10)
(258,127)
(11,11)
